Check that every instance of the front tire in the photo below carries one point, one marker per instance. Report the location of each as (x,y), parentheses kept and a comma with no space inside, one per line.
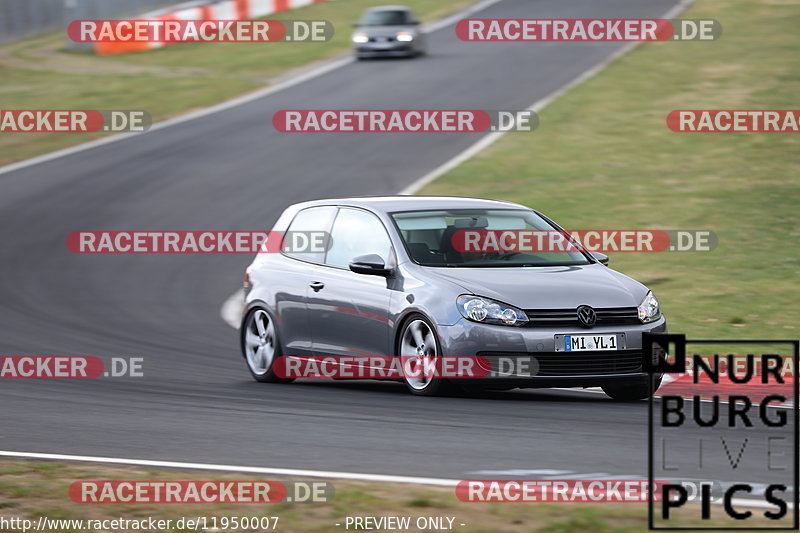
(261,346)
(630,392)
(418,348)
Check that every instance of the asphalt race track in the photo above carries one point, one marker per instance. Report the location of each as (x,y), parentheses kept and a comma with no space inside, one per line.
(233,171)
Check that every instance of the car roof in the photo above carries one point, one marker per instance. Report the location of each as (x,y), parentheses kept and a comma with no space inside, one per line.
(391,204)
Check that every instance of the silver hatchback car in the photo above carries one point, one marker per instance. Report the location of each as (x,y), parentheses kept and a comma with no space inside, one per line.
(392,281)
(388,31)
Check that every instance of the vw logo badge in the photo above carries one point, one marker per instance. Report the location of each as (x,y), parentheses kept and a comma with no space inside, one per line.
(586,316)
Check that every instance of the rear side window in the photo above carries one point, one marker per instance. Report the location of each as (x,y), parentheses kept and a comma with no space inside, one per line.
(313,219)
(357,233)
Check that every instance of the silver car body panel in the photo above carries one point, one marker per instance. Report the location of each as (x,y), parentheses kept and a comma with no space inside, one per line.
(361,314)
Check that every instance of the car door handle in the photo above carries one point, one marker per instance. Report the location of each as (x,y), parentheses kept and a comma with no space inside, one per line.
(317,286)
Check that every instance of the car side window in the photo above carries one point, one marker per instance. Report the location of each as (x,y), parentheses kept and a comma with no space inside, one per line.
(356,232)
(312,219)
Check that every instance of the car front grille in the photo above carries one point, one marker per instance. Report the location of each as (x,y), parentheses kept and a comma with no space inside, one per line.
(550,364)
(606,316)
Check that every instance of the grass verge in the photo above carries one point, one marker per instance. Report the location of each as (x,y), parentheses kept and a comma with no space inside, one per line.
(30,489)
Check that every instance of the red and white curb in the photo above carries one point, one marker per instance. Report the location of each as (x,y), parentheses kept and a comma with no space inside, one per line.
(203,10)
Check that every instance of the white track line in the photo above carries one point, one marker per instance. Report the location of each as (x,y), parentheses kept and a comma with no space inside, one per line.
(455,17)
(183,118)
(598,390)
(231,468)
(231,311)
(383,478)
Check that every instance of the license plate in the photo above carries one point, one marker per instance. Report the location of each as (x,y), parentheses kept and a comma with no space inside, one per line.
(590,343)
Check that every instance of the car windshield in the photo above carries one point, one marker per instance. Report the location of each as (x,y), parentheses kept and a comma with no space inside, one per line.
(480,238)
(385,17)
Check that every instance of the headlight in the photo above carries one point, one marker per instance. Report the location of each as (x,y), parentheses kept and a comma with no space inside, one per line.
(488,311)
(360,38)
(405,36)
(649,309)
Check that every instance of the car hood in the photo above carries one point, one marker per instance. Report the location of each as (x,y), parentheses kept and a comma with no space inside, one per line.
(548,287)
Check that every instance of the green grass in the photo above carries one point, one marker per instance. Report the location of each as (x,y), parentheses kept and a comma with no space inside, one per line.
(49,498)
(38,73)
(604,158)
(424,502)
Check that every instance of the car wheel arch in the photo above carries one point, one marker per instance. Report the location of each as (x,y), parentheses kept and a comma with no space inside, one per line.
(248,310)
(407,316)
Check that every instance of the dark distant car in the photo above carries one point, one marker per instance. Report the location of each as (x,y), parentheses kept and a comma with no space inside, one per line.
(388,31)
(392,284)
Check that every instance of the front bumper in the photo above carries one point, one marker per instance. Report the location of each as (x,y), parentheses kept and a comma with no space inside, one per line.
(368,50)
(530,357)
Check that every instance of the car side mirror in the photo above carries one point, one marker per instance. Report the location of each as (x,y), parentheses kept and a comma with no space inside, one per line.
(370,264)
(602,258)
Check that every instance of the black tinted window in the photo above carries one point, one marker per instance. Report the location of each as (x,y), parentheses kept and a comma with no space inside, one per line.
(386,18)
(465,238)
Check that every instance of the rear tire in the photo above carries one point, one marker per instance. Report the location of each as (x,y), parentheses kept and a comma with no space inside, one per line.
(630,392)
(261,346)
